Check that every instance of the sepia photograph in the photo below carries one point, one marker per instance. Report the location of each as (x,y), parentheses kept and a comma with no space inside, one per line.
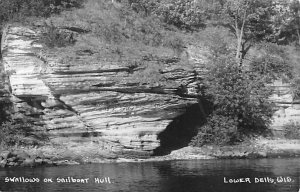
(150,95)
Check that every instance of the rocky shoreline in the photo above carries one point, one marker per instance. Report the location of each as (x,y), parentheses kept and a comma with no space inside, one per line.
(23,159)
(259,148)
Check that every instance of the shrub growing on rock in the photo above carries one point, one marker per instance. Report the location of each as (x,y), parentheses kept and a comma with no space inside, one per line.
(10,134)
(55,37)
(240,103)
(218,130)
(292,130)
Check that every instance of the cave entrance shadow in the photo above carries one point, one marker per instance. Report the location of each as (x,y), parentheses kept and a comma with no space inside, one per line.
(183,128)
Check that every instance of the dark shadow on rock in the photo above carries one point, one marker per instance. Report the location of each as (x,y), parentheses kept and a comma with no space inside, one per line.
(0,45)
(182,129)
(4,107)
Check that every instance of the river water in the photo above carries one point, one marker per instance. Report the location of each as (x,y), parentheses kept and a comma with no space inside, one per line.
(274,175)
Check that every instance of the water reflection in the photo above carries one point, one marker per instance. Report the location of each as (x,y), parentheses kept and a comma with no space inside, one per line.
(175,176)
(209,175)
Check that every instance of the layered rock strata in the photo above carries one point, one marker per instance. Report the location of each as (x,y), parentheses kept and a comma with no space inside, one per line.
(71,102)
(287,107)
(68,101)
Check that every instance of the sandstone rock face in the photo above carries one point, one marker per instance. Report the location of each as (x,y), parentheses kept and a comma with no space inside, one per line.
(288,107)
(69,101)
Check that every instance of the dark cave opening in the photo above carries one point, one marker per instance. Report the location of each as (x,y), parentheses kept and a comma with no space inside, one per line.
(183,128)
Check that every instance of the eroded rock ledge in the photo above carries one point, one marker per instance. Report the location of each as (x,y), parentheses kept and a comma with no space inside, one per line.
(86,103)
(70,102)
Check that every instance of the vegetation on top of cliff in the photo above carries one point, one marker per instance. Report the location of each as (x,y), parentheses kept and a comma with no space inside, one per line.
(18,10)
(119,32)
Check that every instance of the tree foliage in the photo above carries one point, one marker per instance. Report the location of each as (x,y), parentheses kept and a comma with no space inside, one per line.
(240,104)
(11,134)
(292,130)
(183,14)
(273,62)
(248,20)
(286,22)
(19,9)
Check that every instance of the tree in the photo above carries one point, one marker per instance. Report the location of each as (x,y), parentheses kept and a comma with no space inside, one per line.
(295,18)
(286,23)
(248,21)
(239,103)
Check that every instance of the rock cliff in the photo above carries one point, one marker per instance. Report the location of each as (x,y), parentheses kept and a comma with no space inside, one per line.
(69,102)
(287,106)
(73,102)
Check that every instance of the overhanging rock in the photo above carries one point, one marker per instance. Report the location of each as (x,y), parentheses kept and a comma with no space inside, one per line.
(69,104)
(79,102)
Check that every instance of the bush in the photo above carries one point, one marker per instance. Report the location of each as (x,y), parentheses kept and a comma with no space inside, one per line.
(175,43)
(292,130)
(147,30)
(150,75)
(240,103)
(16,132)
(111,33)
(272,62)
(10,134)
(18,9)
(54,37)
(218,130)
(116,25)
(5,105)
(5,102)
(184,14)
(144,7)
(217,39)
